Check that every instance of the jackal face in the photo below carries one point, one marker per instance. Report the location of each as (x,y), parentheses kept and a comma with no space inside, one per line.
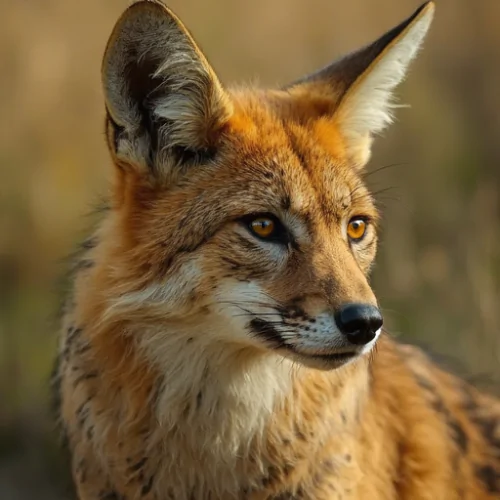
(240,217)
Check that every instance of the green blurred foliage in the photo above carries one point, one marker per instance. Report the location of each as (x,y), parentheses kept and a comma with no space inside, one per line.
(438,272)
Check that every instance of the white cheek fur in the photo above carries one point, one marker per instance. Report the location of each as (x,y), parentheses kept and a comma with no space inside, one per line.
(274,251)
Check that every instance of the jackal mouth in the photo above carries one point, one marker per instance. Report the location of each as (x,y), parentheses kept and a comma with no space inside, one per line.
(332,360)
(323,357)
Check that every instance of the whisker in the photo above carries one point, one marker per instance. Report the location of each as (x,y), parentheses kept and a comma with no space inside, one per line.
(373,194)
(369,173)
(389,333)
(354,191)
(257,315)
(253,302)
(265,294)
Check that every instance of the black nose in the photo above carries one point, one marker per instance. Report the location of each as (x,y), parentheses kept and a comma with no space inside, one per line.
(358,322)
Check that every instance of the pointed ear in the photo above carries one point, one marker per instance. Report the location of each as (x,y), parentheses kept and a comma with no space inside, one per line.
(162,97)
(361,84)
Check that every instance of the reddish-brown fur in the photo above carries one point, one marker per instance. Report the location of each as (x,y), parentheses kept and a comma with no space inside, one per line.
(166,390)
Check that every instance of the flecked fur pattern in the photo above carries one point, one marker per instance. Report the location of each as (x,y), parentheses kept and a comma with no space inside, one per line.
(198,361)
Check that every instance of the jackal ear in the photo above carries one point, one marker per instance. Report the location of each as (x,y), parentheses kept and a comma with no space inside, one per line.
(362,83)
(162,96)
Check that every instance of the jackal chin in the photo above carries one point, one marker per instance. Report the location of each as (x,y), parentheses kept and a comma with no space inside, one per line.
(327,359)
(320,345)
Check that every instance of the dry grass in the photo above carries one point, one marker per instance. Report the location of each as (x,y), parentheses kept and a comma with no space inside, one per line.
(438,273)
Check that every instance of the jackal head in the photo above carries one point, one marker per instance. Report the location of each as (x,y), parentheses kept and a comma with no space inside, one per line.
(239,217)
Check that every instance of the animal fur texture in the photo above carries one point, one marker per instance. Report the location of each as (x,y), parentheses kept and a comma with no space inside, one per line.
(201,358)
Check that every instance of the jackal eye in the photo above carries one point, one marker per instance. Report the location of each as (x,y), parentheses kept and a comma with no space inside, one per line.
(266,227)
(263,227)
(356,229)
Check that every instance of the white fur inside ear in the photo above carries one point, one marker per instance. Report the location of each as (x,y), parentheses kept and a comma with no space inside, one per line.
(195,100)
(153,68)
(368,104)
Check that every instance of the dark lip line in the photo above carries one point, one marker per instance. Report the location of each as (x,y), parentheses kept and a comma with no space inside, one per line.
(339,356)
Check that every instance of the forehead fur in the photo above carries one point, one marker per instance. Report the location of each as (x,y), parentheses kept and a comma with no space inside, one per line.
(273,156)
(298,141)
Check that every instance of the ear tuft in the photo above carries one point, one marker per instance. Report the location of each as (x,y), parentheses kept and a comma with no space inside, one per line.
(367,105)
(362,83)
(160,91)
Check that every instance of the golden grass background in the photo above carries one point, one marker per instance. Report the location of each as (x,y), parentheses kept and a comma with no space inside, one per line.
(438,272)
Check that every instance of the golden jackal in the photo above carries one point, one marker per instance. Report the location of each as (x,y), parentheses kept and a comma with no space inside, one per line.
(218,342)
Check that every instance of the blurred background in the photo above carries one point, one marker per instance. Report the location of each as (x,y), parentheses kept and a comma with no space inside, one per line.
(438,272)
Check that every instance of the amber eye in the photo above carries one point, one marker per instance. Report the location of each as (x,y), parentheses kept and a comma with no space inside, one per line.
(263,227)
(356,228)
(266,227)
